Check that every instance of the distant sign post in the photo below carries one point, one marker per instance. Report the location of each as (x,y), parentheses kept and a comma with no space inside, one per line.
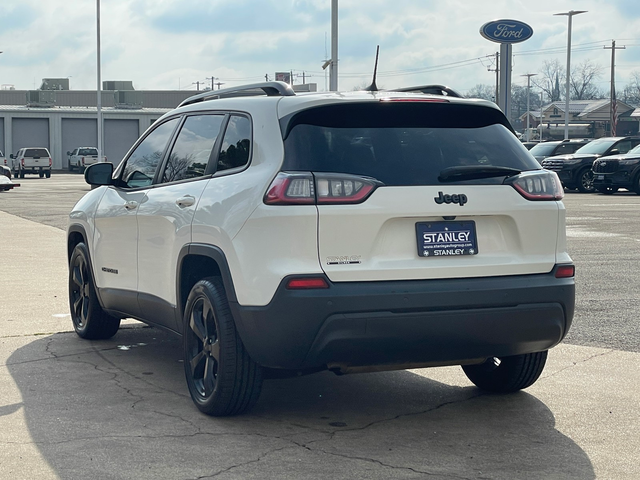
(506,33)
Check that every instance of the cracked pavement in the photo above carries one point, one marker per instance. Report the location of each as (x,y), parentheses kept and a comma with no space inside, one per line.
(120,409)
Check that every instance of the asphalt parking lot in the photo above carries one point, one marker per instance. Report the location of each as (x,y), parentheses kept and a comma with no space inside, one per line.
(119,409)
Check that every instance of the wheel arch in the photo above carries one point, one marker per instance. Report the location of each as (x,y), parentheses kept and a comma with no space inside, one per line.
(198,261)
(75,235)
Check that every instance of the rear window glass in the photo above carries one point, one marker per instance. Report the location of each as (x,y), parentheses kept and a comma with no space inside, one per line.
(409,149)
(88,151)
(36,152)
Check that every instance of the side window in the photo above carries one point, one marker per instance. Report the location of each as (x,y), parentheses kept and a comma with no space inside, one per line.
(142,163)
(236,144)
(191,152)
(564,149)
(624,146)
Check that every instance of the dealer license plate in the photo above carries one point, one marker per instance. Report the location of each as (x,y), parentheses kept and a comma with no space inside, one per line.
(437,239)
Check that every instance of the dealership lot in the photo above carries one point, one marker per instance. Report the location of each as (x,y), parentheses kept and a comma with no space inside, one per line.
(120,408)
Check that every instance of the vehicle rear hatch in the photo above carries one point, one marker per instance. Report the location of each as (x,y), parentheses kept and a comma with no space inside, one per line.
(36,157)
(420,190)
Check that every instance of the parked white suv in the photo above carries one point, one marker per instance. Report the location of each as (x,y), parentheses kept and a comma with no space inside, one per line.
(358,231)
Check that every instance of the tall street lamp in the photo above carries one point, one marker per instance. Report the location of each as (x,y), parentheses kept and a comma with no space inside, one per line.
(99,87)
(569,14)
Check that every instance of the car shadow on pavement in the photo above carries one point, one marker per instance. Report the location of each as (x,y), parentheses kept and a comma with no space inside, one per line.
(120,409)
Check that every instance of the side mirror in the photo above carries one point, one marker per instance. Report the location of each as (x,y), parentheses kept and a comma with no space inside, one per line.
(99,174)
(615,151)
(68,153)
(11,155)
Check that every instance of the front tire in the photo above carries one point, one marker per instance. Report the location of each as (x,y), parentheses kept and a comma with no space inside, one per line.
(507,374)
(585,181)
(90,321)
(222,378)
(607,190)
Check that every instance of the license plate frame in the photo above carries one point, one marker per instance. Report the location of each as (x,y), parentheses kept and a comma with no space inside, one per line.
(446,238)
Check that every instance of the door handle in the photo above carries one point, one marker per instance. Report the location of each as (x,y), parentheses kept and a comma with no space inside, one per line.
(131,205)
(185,201)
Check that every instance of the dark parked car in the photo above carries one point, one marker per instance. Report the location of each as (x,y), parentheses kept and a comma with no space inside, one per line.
(557,147)
(618,171)
(575,170)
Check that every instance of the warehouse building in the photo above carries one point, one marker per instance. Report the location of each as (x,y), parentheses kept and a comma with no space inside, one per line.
(61,119)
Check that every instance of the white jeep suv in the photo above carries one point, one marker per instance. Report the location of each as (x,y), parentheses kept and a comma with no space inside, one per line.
(282,233)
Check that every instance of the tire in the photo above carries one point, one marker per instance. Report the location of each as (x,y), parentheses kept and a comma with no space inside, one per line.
(70,168)
(41,174)
(21,173)
(607,190)
(222,378)
(90,321)
(585,181)
(82,169)
(47,174)
(507,374)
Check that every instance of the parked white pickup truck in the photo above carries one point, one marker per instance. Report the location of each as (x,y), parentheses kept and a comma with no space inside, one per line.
(81,157)
(32,160)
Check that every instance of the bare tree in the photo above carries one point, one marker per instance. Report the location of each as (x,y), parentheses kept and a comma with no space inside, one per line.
(486,92)
(631,92)
(549,79)
(583,78)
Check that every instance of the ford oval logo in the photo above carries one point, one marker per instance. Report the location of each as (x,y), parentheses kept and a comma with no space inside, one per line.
(506,31)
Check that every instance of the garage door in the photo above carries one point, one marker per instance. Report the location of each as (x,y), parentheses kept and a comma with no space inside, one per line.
(119,137)
(78,132)
(31,132)
(2,148)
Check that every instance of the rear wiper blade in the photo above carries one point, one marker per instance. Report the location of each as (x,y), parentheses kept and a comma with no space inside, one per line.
(473,172)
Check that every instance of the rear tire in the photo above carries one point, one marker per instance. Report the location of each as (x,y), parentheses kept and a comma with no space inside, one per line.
(41,174)
(222,378)
(90,321)
(47,174)
(507,374)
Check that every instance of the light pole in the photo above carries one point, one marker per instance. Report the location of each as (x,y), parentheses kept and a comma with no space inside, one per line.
(569,14)
(99,87)
(333,67)
(528,75)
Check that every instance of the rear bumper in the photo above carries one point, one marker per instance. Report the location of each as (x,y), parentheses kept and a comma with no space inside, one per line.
(436,322)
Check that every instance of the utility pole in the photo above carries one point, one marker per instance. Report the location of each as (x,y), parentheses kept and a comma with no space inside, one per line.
(266,77)
(613,106)
(197,84)
(497,70)
(99,87)
(528,75)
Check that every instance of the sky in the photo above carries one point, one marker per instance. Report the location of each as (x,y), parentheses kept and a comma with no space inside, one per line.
(174,44)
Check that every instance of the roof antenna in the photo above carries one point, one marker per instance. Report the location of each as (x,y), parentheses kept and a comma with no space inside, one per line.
(373,87)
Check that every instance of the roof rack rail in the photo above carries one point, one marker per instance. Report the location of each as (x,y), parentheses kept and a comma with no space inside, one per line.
(431,90)
(271,89)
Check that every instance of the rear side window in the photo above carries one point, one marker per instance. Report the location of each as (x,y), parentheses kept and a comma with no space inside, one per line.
(236,144)
(36,152)
(408,146)
(192,150)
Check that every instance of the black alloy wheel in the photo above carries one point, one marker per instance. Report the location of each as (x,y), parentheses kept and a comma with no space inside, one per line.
(222,378)
(90,321)
(585,181)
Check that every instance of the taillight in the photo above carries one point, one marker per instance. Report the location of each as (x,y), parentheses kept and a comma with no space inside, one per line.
(82,161)
(565,271)
(50,162)
(308,283)
(22,161)
(537,185)
(319,188)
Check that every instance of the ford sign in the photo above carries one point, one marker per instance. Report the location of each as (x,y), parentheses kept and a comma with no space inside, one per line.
(506,31)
